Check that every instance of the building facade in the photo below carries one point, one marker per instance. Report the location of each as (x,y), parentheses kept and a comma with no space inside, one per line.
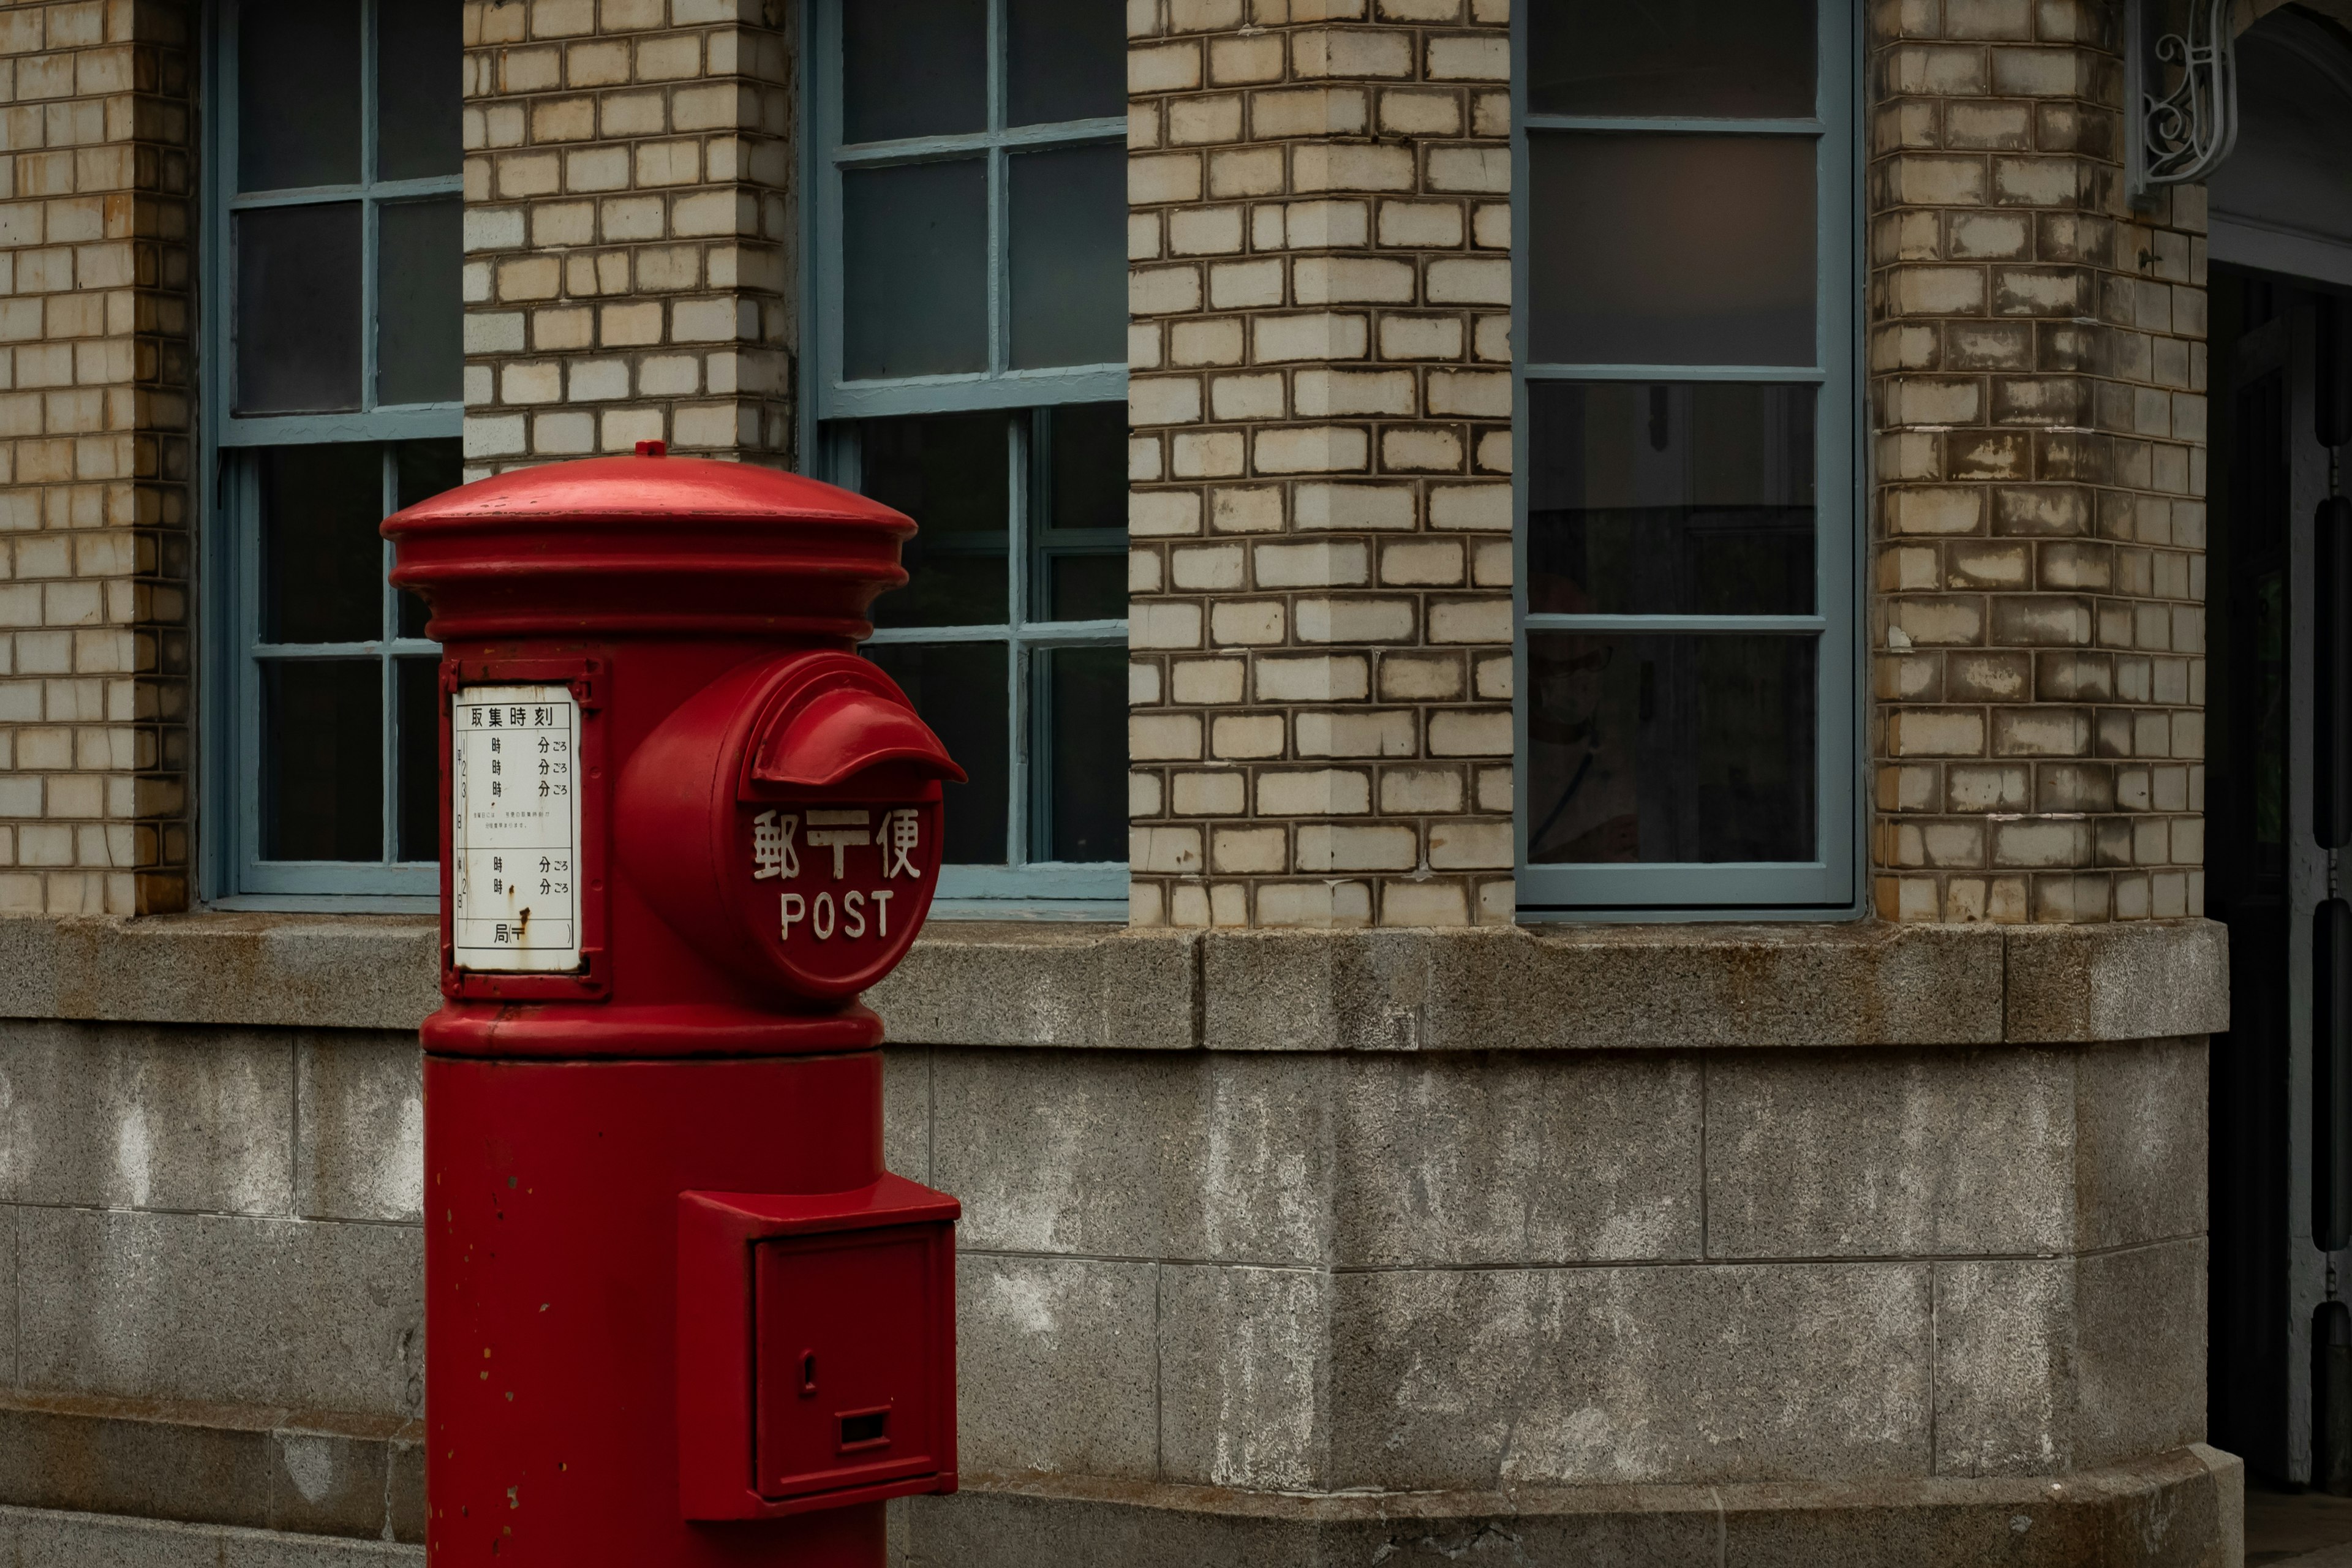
(1648,692)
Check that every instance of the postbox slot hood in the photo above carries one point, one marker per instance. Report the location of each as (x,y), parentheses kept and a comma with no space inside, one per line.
(821,739)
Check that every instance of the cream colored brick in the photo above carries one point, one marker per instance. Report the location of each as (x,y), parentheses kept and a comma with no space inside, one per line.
(1367,507)
(1420,791)
(1143,794)
(1241,285)
(1245,623)
(1435,226)
(1237,851)
(1171,851)
(1421,562)
(1207,568)
(1312,449)
(1221,793)
(1207,682)
(1234,398)
(1162,290)
(1431,903)
(1484,732)
(1358,620)
(1325,224)
(1199,120)
(1163,400)
(1320,336)
(1163,737)
(1162,514)
(1163,178)
(1330,677)
(1322,792)
(1246,737)
(1340,166)
(1470,394)
(1245,172)
(1212,343)
(1356,734)
(1328,905)
(1207,454)
(1253,510)
(1338,393)
(1351,52)
(1427,450)
(1163,624)
(1421,337)
(1163,67)
(1308,112)
(1207,231)
(1385,847)
(1322,564)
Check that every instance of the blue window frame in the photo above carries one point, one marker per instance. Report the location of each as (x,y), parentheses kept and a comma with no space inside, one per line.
(967,259)
(332,366)
(1687,327)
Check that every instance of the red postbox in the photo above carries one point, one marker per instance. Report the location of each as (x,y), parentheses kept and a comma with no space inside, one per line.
(676,1311)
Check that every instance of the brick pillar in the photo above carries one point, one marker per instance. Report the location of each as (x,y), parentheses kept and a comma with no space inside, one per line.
(94,457)
(628,225)
(2038,381)
(1321,504)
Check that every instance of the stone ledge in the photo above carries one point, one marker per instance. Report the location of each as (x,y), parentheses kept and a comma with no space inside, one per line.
(304,1472)
(2185,1509)
(1102,987)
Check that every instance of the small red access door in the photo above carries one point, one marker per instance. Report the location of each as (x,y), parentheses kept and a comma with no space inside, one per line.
(815,1346)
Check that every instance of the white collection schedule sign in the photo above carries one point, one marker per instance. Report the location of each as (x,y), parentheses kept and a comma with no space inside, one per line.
(515,843)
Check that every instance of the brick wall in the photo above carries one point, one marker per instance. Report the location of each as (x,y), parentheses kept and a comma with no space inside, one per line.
(2038,380)
(1321,512)
(628,229)
(94,457)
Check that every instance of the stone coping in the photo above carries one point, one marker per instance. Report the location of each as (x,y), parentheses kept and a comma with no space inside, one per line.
(1644,986)
(2182,1509)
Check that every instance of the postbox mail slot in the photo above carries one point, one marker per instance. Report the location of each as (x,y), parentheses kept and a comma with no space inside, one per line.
(816,1348)
(846,1393)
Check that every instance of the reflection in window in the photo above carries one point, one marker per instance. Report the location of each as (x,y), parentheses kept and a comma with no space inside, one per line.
(971,373)
(1650,498)
(1022,553)
(1671,749)
(335,417)
(1685,455)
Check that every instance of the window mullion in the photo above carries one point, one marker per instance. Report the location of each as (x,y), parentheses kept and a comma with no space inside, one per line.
(1019,810)
(388,678)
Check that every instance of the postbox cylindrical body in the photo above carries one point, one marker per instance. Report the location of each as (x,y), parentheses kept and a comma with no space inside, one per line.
(676,1311)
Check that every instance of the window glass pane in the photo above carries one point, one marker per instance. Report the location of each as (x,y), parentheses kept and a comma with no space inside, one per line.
(915,269)
(952,474)
(420,253)
(1086,690)
(424,469)
(1068,61)
(913,68)
(1671,748)
(298,308)
(321,760)
(958,689)
(321,558)
(1081,545)
(1672,249)
(297,89)
(1067,228)
(1695,498)
(417,86)
(1678,58)
(419,687)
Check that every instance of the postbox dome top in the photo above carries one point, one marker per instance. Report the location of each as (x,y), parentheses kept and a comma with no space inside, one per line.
(648,487)
(648,544)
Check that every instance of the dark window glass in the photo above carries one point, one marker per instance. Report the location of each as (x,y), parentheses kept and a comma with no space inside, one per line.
(298,308)
(1671,748)
(1689,499)
(952,474)
(1088,692)
(1068,61)
(298,78)
(1750,58)
(420,253)
(322,749)
(418,85)
(424,469)
(1672,249)
(915,269)
(321,558)
(1081,545)
(960,691)
(420,758)
(914,67)
(1069,237)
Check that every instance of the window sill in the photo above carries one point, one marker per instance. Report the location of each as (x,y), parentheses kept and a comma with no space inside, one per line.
(1098,985)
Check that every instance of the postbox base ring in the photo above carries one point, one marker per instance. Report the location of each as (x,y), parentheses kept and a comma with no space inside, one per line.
(561,1032)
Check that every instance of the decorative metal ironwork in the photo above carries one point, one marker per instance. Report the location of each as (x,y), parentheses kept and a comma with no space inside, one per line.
(2187,132)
